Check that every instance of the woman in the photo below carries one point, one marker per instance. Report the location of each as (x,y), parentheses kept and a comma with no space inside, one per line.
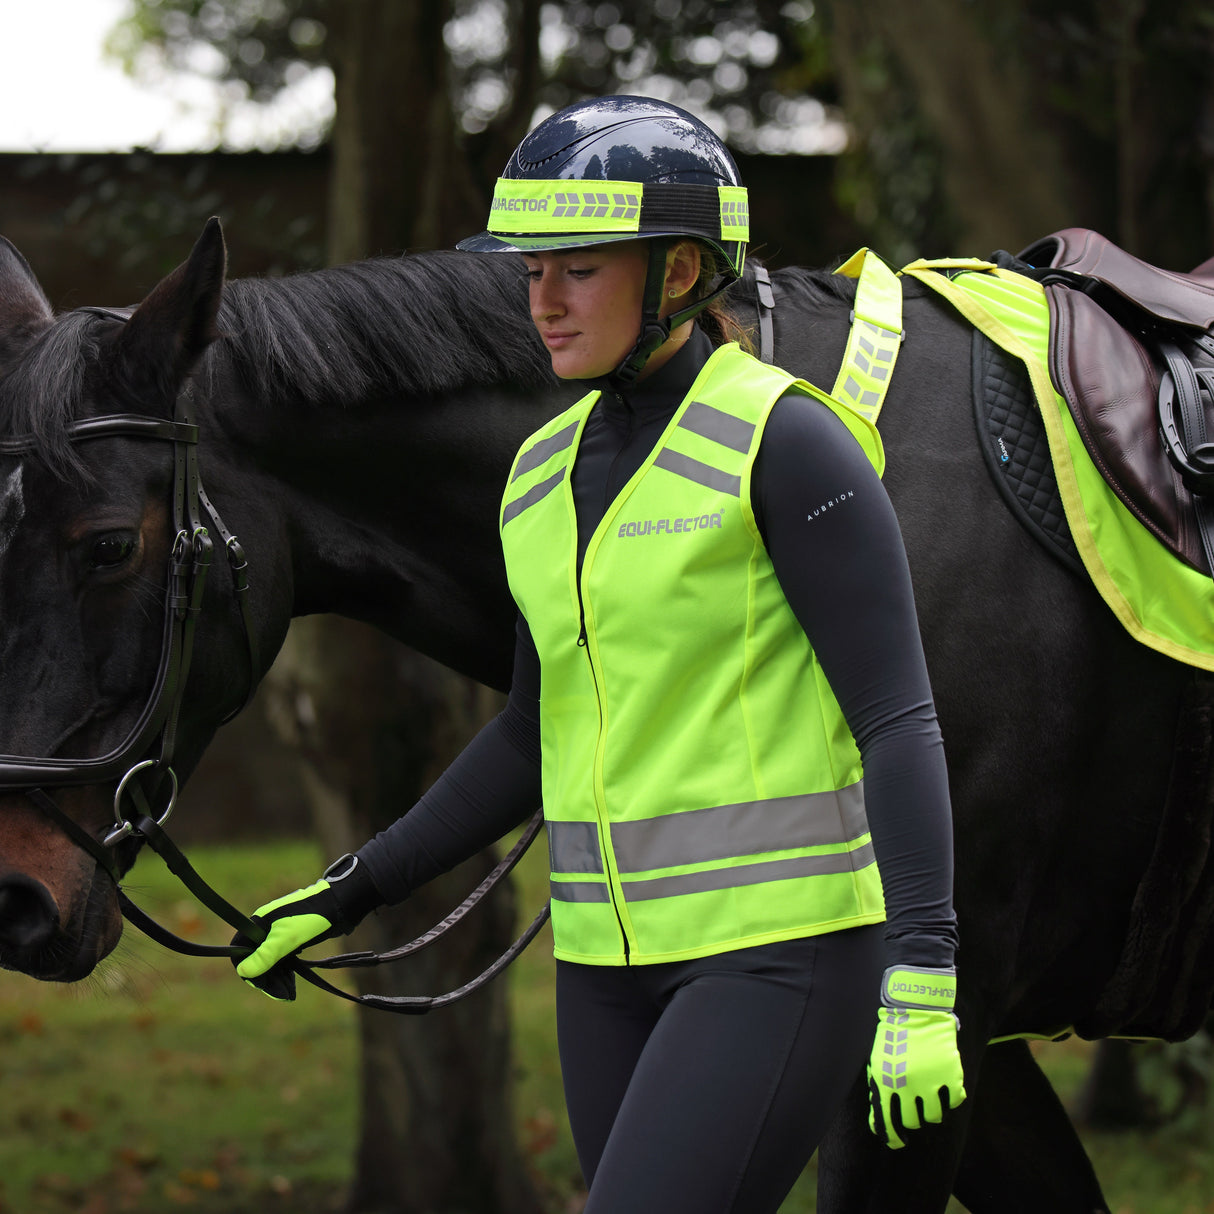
(719,692)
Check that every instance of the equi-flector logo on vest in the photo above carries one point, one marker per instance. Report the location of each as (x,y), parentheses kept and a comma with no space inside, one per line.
(668,526)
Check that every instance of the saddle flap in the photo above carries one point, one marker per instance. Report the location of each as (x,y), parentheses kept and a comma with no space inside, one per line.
(1186,299)
(1110,385)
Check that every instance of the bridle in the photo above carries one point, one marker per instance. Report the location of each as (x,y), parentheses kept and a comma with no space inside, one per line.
(142,763)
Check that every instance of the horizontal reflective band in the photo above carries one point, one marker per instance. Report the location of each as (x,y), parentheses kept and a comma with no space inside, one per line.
(535,208)
(536,493)
(703,474)
(919,987)
(573,847)
(565,206)
(544,450)
(725,832)
(579,891)
(723,428)
(749,874)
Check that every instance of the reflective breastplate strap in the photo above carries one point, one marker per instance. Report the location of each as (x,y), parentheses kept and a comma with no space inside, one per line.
(876,334)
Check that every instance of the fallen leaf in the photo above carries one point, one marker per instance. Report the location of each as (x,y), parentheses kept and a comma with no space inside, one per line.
(74,1119)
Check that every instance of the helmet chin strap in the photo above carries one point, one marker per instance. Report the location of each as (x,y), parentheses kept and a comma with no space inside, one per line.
(655,328)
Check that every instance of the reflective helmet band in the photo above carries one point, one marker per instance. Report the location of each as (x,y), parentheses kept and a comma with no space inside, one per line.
(550,208)
(561,206)
(735,212)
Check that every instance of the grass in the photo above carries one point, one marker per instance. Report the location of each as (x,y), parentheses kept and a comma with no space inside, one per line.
(164,1083)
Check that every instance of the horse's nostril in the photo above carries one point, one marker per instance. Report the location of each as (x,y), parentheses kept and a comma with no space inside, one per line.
(28,915)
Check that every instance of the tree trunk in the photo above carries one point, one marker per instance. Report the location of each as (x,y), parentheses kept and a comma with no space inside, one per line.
(374,723)
(397,178)
(979,127)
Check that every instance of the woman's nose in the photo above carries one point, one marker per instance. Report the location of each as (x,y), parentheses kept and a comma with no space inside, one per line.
(545,298)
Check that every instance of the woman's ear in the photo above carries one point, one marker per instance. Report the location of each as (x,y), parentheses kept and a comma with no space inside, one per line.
(682,271)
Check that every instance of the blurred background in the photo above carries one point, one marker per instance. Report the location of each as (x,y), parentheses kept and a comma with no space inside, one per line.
(322,131)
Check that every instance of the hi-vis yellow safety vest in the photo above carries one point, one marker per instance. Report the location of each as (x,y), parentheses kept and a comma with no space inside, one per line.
(702,791)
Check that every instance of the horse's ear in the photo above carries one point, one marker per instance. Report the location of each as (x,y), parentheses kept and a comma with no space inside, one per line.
(24,308)
(168,332)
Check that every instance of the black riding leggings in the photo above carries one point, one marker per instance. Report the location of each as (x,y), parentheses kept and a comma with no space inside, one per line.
(704,1087)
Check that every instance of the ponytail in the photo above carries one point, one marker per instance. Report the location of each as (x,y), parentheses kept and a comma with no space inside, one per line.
(718,319)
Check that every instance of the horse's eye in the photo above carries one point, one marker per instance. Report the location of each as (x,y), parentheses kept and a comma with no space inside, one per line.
(111,550)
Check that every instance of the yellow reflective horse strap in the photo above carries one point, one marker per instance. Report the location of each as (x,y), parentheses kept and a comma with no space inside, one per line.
(875,337)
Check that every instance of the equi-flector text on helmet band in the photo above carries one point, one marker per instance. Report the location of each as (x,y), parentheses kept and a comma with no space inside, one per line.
(522,207)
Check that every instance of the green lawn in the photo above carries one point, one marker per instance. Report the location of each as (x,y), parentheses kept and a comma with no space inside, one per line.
(165,1083)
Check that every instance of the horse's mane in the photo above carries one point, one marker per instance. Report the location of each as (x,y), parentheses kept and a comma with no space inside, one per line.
(42,388)
(420,325)
(816,286)
(417,325)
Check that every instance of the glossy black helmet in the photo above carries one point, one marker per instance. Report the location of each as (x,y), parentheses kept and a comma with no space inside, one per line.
(618,168)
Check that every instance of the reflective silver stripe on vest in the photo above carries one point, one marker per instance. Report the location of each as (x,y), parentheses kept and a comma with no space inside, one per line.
(573,847)
(749,874)
(719,427)
(579,891)
(720,832)
(703,474)
(724,832)
(536,493)
(544,450)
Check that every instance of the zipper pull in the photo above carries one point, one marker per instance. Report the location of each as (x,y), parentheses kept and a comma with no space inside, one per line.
(581,636)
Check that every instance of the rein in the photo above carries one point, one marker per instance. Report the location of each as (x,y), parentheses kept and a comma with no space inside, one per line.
(143,762)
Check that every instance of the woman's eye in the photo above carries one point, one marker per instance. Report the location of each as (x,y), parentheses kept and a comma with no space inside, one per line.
(111,550)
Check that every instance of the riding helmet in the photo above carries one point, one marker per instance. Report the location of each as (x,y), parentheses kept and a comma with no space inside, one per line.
(647,168)
(623,168)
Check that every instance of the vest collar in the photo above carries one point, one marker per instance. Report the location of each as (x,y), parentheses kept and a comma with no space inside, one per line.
(660,393)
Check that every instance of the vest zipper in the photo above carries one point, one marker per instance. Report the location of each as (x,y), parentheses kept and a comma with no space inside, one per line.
(583,642)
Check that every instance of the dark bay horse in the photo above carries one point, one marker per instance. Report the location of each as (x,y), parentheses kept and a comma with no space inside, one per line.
(355,427)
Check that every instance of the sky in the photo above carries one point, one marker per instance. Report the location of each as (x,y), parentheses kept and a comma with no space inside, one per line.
(58,93)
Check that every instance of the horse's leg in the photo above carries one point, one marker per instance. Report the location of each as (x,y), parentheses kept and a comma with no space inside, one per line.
(1021,1151)
(857,1174)
(1008,1149)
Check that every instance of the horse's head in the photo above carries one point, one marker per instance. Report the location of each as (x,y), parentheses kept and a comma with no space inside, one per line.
(90,518)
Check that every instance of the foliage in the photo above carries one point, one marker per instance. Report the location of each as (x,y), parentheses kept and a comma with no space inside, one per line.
(758,69)
(260,45)
(892,181)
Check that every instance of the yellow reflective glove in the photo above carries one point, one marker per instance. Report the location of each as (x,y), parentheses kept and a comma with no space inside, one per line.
(914,1071)
(330,907)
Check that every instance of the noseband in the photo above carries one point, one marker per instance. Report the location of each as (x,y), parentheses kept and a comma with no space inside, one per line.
(142,764)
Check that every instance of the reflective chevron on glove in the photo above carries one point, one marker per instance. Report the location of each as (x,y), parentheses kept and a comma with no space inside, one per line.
(914,1071)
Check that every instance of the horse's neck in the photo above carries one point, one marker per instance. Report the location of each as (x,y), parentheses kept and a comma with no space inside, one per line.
(388,511)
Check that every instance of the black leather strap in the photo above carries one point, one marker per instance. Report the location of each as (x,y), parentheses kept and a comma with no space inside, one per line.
(766,307)
(1183,424)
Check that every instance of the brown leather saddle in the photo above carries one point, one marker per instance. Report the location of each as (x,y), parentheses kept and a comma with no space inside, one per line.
(1132,353)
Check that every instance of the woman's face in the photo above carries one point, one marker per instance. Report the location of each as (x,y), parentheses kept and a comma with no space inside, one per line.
(586,305)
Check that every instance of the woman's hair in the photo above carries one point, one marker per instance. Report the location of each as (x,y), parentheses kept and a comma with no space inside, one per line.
(718,319)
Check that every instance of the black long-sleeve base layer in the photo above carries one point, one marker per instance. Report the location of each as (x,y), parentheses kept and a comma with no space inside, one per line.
(836,548)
